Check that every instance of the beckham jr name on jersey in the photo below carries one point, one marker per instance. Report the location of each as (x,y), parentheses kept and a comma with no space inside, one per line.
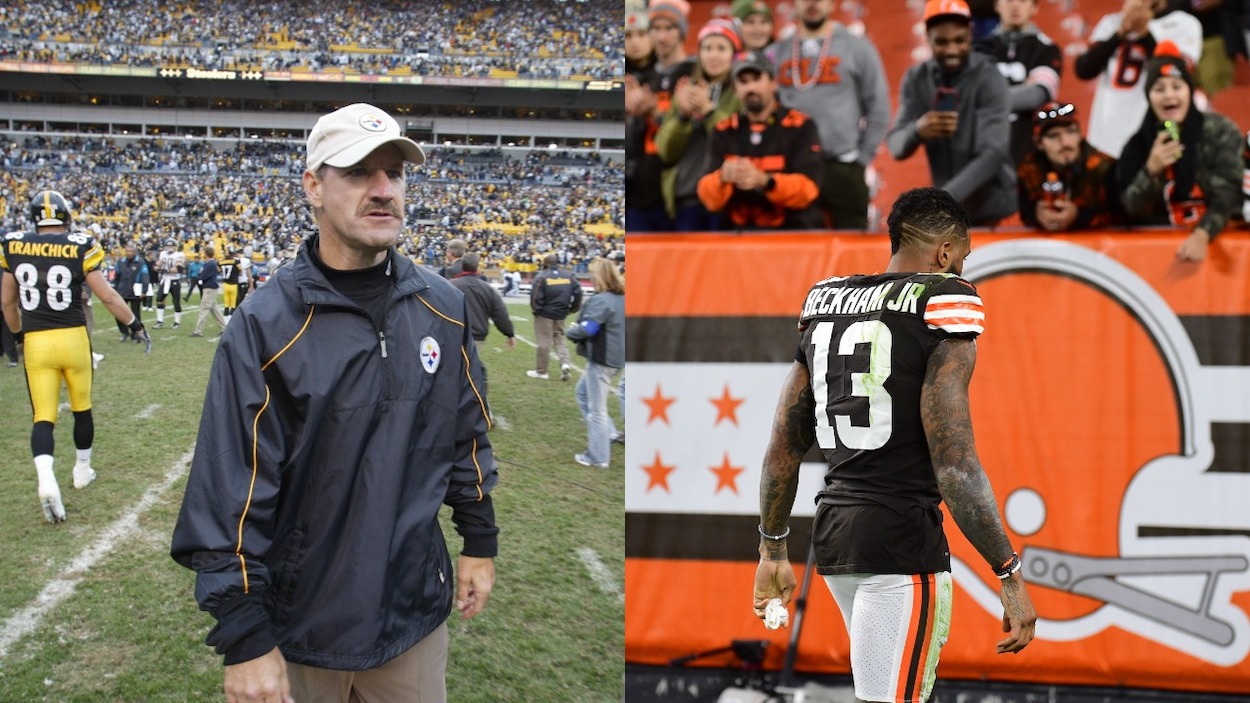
(866,342)
(50,270)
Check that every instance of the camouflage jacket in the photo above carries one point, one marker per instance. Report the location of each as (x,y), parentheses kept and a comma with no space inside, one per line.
(1217,192)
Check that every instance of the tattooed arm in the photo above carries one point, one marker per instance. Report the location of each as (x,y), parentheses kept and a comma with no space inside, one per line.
(962,482)
(794,431)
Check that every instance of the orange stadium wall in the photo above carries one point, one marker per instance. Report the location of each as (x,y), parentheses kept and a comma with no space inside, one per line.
(894,27)
(1112,411)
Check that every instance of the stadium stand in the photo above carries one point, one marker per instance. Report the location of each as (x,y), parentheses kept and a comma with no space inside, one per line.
(477,38)
(188,119)
(512,210)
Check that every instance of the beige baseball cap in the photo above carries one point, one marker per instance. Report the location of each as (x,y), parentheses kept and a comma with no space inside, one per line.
(347,135)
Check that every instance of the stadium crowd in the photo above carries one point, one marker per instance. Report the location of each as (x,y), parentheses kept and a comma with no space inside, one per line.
(767,127)
(510,210)
(468,38)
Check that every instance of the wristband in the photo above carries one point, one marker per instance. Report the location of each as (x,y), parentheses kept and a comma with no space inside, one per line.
(19,337)
(774,538)
(135,325)
(1008,567)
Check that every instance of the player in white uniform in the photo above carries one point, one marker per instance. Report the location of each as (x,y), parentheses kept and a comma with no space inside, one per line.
(1119,47)
(246,282)
(172,265)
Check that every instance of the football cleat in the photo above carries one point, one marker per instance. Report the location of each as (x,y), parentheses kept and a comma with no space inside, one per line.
(565,372)
(534,374)
(83,476)
(50,499)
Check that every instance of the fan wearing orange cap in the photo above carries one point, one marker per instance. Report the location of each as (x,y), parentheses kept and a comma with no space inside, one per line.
(1183,167)
(956,106)
(699,102)
(1119,47)
(1064,183)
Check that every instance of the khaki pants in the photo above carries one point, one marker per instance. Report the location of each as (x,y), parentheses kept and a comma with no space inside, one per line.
(208,303)
(416,676)
(548,332)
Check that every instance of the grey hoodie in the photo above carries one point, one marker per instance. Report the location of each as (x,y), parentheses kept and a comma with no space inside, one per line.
(974,165)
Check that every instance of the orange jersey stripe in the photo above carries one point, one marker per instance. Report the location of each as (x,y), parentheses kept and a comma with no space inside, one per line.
(927,637)
(902,692)
(952,320)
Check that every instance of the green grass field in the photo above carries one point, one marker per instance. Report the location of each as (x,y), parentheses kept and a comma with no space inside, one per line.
(94,609)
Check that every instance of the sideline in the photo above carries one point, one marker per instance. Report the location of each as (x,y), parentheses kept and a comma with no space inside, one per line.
(26,620)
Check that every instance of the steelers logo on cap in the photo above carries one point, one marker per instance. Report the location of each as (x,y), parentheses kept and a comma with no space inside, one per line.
(372,122)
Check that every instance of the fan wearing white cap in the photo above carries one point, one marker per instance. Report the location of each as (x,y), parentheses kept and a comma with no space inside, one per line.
(345,406)
(355,182)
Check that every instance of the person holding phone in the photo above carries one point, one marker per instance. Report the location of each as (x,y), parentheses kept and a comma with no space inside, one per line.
(956,106)
(1119,47)
(1182,167)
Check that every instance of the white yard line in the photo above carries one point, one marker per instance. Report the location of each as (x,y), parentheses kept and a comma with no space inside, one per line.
(26,620)
(148,411)
(599,573)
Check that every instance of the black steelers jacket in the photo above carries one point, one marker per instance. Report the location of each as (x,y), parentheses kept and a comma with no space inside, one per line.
(326,447)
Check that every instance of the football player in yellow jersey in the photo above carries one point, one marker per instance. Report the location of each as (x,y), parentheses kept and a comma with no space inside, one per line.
(41,297)
(229,281)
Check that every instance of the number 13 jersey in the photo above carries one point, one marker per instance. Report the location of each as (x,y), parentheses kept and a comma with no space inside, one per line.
(866,341)
(50,270)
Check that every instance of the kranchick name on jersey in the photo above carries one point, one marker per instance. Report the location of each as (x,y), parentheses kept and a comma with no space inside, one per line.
(52,249)
(822,301)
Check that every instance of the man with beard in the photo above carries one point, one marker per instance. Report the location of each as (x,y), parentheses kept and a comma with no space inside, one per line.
(1065,183)
(836,78)
(765,160)
(955,105)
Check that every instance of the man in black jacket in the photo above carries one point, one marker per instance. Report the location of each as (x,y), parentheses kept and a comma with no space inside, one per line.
(130,282)
(485,305)
(350,368)
(554,295)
